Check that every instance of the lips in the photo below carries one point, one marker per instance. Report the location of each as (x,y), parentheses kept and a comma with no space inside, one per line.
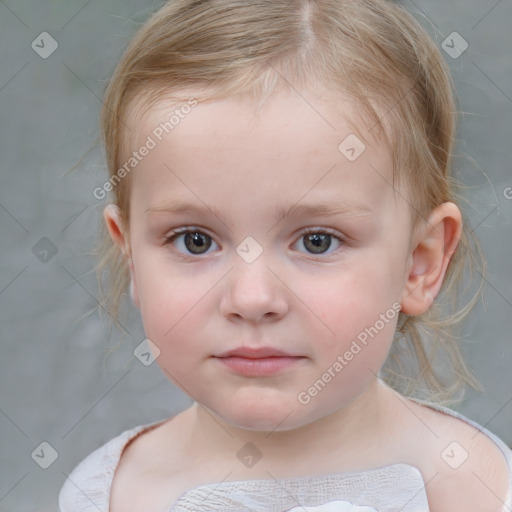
(258,362)
(255,353)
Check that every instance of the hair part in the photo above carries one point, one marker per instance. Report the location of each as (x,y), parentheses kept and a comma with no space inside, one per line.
(373,52)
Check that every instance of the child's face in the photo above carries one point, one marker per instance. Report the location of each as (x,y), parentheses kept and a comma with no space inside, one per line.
(203,296)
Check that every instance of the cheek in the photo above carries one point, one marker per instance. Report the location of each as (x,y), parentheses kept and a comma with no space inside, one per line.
(346,302)
(356,316)
(362,315)
(171,305)
(174,320)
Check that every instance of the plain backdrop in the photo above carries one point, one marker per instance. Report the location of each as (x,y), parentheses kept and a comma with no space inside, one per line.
(67,381)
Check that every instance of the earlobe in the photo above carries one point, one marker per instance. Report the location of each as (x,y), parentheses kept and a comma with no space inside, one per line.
(115,226)
(435,243)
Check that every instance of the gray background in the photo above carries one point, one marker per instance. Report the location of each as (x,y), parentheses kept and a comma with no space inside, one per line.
(64,378)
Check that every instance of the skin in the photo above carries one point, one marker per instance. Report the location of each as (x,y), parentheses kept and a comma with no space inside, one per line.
(243,162)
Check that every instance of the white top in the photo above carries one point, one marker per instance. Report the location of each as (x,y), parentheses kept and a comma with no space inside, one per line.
(392,488)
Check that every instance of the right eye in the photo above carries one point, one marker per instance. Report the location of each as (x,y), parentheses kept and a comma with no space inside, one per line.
(189,241)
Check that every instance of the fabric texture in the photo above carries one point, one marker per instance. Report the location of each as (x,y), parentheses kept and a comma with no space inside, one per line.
(392,488)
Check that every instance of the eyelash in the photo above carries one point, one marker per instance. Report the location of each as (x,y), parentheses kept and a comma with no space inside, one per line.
(169,239)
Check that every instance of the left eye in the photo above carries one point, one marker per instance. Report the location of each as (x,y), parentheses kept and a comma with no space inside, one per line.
(319,242)
(194,241)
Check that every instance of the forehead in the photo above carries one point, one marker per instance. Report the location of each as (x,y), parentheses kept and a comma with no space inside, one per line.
(295,145)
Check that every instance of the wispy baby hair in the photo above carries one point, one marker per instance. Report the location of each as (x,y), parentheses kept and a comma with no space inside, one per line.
(373,52)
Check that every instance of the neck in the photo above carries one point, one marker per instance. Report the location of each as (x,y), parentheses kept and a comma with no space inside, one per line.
(343,433)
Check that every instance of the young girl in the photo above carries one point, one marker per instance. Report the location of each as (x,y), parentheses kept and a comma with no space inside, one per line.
(284,216)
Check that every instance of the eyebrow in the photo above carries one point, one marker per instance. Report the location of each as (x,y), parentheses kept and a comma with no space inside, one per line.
(323,208)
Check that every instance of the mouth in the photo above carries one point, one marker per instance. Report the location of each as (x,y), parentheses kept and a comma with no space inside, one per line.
(258,362)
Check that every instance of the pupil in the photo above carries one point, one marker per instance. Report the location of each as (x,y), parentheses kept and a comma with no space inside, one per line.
(198,241)
(320,243)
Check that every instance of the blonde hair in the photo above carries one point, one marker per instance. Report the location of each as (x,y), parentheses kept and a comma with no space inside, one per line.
(373,51)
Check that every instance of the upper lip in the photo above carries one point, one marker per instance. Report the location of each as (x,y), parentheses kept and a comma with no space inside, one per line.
(255,353)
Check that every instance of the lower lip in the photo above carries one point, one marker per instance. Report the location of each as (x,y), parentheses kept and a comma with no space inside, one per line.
(257,367)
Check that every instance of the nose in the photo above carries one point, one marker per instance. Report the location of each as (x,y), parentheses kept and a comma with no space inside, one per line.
(253,293)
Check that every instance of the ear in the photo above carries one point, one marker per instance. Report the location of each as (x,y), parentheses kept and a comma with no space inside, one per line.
(114,222)
(433,246)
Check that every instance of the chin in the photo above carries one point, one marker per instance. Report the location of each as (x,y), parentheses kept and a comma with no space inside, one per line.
(264,416)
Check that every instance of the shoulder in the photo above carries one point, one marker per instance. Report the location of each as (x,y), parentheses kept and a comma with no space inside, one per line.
(466,469)
(148,439)
(90,480)
(140,481)
(480,483)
